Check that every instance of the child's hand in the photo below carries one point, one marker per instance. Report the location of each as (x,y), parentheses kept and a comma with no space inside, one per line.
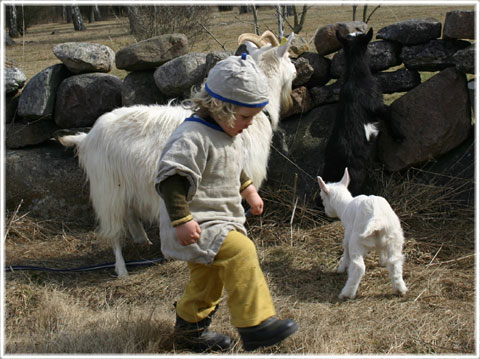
(188,233)
(256,204)
(252,197)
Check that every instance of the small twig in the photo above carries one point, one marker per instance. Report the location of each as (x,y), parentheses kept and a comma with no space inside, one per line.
(454,260)
(7,229)
(213,36)
(291,222)
(435,256)
(418,296)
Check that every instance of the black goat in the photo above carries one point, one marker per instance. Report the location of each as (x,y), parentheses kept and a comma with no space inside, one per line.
(359,114)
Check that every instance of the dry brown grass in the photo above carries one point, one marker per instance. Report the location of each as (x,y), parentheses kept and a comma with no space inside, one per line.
(94,312)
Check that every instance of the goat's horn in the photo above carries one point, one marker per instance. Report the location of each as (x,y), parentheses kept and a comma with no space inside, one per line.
(252,38)
(270,37)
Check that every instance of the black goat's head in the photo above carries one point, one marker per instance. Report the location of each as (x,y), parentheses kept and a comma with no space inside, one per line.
(355,44)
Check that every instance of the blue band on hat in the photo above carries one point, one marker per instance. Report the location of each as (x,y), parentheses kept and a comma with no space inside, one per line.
(224,99)
(244,55)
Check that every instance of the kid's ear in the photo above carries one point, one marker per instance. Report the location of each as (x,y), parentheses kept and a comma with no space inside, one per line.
(322,184)
(346,178)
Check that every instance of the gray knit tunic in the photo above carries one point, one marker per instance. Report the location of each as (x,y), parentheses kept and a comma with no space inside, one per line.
(212,161)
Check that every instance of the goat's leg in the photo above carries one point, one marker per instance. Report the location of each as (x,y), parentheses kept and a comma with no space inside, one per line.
(382,256)
(345,261)
(395,269)
(120,266)
(135,227)
(356,270)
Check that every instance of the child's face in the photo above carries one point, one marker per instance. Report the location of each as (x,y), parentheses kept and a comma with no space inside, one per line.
(243,119)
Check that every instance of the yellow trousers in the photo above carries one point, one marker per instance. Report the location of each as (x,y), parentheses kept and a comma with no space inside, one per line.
(236,268)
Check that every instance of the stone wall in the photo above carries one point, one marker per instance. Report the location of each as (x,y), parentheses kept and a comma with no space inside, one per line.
(435,114)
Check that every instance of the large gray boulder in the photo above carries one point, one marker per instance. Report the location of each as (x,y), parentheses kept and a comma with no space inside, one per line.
(14,80)
(83,57)
(382,55)
(38,97)
(81,99)
(321,95)
(11,107)
(304,71)
(459,24)
(321,69)
(434,56)
(401,80)
(435,118)
(326,41)
(301,102)
(48,183)
(411,32)
(21,133)
(151,53)
(139,89)
(465,59)
(176,77)
(214,57)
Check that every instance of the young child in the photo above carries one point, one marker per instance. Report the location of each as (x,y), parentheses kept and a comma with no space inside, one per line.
(201,181)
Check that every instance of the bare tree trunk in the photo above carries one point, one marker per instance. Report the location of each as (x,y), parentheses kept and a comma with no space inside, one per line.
(133,19)
(365,7)
(354,12)
(67,14)
(290,10)
(244,9)
(280,23)
(96,13)
(78,24)
(298,24)
(12,21)
(93,14)
(255,20)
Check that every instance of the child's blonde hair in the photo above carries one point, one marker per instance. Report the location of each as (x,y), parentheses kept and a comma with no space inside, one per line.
(205,105)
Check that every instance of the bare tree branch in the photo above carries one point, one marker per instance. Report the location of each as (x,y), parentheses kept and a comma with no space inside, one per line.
(213,36)
(369,16)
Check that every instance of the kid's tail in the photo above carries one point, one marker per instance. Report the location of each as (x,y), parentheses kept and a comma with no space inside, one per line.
(73,140)
(375,224)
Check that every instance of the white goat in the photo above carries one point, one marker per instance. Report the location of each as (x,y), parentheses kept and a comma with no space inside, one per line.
(369,223)
(121,152)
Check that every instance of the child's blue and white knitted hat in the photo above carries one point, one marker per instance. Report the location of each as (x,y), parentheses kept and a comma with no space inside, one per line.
(238,80)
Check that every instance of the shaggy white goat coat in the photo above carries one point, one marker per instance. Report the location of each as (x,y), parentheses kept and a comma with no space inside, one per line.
(369,223)
(121,152)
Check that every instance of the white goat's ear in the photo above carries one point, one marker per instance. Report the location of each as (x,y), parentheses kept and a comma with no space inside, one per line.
(282,50)
(322,184)
(346,178)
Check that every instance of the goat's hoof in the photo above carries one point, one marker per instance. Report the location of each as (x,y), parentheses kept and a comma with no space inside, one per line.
(122,273)
(343,296)
(400,292)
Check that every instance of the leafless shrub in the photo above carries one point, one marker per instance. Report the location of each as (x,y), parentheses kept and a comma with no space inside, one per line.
(149,21)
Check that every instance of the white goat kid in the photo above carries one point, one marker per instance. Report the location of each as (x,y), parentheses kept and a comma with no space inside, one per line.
(369,223)
(120,154)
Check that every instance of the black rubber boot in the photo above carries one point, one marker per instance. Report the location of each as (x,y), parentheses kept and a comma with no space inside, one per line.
(268,332)
(197,337)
